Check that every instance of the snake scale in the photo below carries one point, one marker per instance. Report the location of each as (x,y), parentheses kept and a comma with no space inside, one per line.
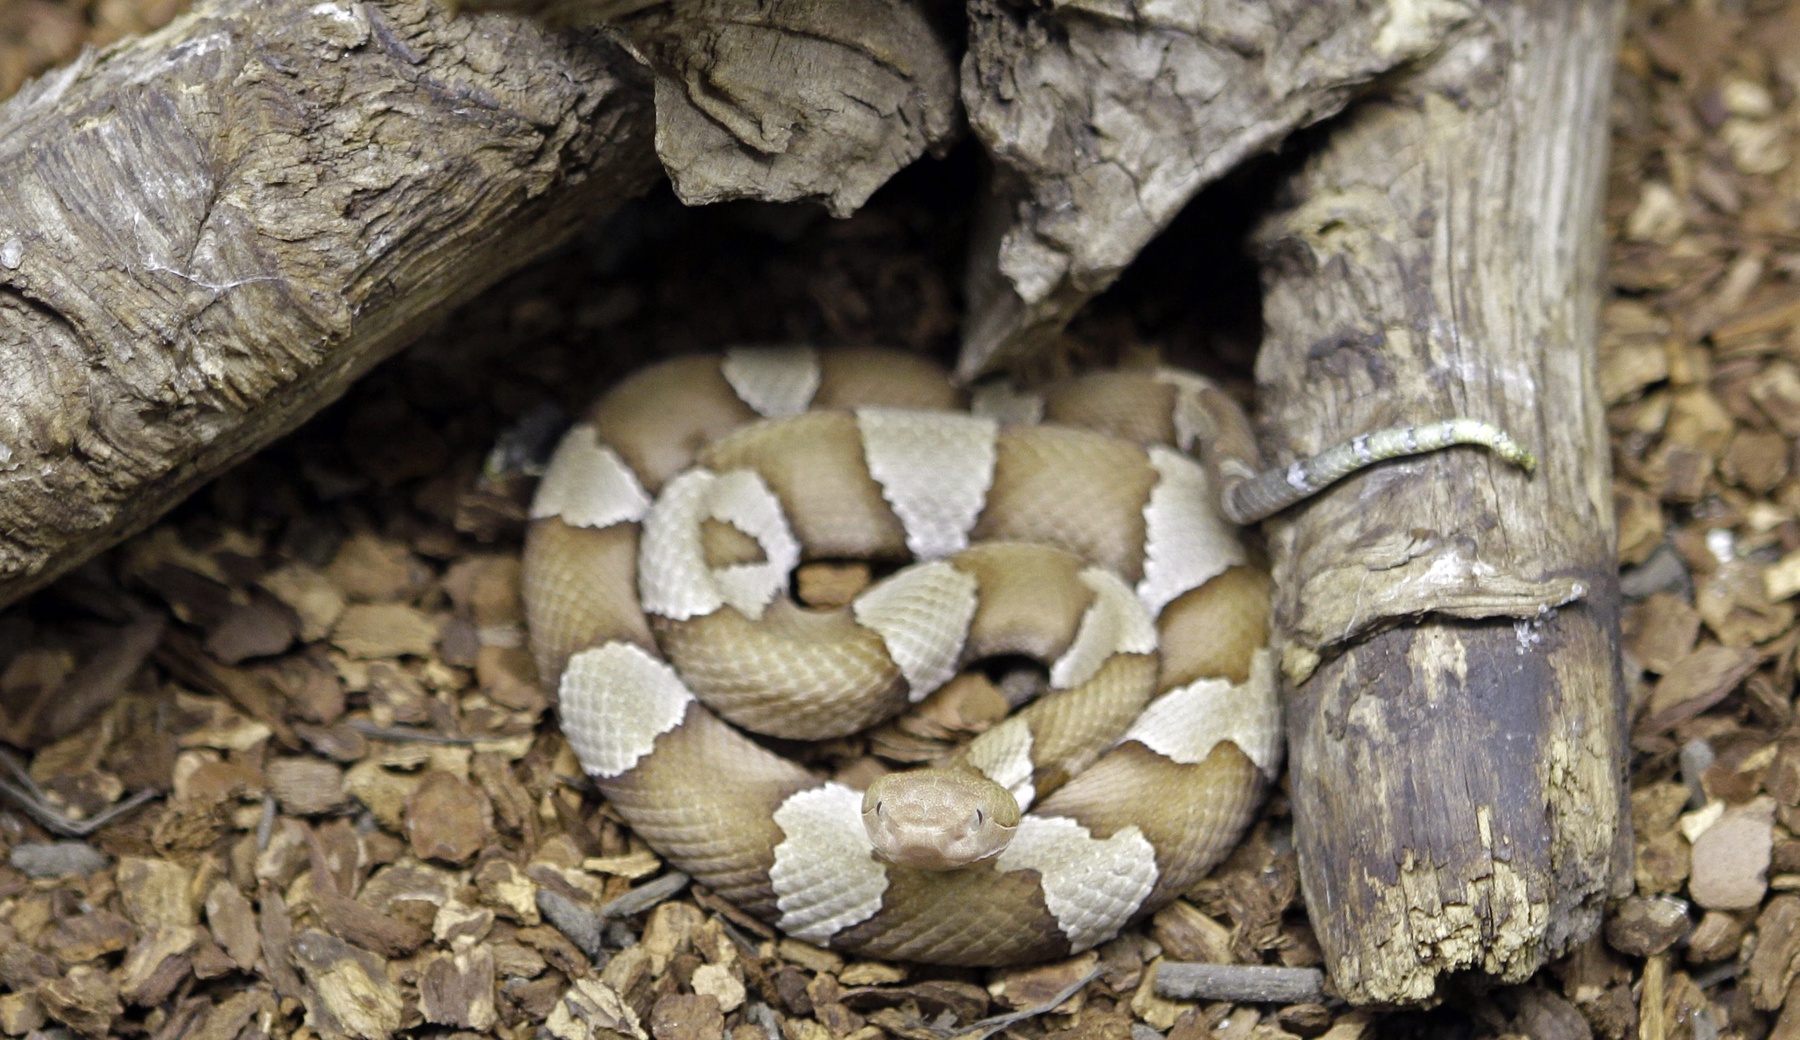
(1072,528)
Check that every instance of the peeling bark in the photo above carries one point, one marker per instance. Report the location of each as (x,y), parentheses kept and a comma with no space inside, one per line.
(207,233)
(811,100)
(1104,117)
(1456,715)
(806,99)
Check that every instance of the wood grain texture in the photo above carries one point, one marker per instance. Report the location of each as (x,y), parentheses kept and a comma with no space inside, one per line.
(805,99)
(1104,117)
(207,233)
(1450,624)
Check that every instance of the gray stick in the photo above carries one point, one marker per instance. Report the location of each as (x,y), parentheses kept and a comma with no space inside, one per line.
(1240,983)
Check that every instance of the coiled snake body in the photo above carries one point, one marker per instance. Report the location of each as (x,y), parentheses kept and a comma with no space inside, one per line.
(656,578)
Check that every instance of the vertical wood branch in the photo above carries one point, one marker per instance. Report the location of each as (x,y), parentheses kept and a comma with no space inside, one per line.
(1450,624)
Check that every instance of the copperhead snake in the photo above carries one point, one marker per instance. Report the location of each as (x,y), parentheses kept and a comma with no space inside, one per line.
(1070,527)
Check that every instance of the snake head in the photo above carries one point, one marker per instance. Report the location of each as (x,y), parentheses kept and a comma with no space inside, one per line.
(938,819)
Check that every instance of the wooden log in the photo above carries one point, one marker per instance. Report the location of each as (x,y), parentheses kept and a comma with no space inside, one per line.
(1449,624)
(207,233)
(1104,118)
(805,99)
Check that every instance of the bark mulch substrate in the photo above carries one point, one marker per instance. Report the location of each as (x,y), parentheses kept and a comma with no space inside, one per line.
(369,825)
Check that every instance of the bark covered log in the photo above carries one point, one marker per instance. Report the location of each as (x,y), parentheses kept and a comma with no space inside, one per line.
(805,99)
(1455,711)
(206,234)
(1105,117)
(798,100)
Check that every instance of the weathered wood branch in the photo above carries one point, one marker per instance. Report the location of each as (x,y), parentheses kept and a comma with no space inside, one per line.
(206,234)
(1450,625)
(1240,983)
(804,99)
(1105,117)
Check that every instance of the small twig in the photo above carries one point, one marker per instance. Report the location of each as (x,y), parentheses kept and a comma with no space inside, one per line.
(581,925)
(1716,974)
(1240,983)
(987,1027)
(586,927)
(645,895)
(25,793)
(406,734)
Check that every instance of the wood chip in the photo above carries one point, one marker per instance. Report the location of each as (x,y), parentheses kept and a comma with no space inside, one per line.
(447,818)
(1034,985)
(348,991)
(508,889)
(86,1000)
(233,923)
(1661,631)
(1734,603)
(367,927)
(384,630)
(1542,1014)
(158,895)
(485,587)
(1642,927)
(21,1013)
(316,600)
(88,936)
(158,962)
(1781,579)
(457,989)
(1718,937)
(226,1019)
(635,864)
(1777,391)
(691,1016)
(509,675)
(1640,522)
(809,956)
(1631,349)
(1186,934)
(1757,460)
(306,786)
(1775,962)
(721,984)
(1697,682)
(592,1010)
(373,569)
(261,626)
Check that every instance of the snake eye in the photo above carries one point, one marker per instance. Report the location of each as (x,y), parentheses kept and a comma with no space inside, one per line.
(979,817)
(878,807)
